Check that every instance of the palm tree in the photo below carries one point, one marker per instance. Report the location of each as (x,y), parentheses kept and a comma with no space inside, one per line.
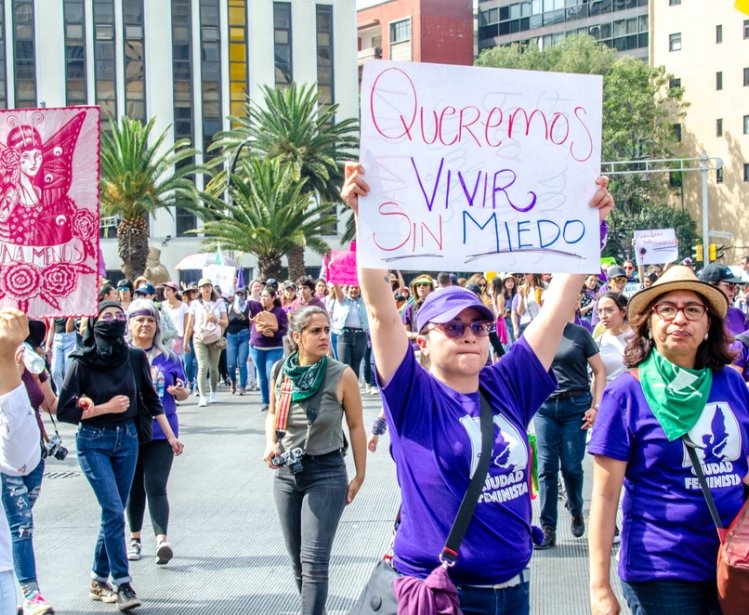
(270,215)
(290,126)
(137,179)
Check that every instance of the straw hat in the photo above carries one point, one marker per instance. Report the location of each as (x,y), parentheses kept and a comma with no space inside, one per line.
(677,277)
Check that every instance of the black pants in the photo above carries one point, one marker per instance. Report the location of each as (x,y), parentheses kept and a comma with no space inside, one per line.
(351,346)
(151,475)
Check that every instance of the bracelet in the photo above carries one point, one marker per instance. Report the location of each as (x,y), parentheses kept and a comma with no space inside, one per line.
(379,426)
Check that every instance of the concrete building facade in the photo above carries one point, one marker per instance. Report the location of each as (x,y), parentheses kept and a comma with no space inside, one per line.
(705,45)
(187,63)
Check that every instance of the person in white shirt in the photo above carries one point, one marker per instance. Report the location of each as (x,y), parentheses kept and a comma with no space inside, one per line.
(612,313)
(19,436)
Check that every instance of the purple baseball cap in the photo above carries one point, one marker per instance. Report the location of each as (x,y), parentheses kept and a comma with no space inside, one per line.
(444,304)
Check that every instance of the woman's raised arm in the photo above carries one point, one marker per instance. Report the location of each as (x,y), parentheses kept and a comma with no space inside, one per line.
(389,341)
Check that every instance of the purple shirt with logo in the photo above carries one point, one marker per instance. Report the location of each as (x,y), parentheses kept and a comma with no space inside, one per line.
(667,531)
(435,442)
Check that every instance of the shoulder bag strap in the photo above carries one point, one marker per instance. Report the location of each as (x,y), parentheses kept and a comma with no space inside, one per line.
(703,483)
(471,498)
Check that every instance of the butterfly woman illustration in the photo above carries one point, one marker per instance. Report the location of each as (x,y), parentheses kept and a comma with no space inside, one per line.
(35,209)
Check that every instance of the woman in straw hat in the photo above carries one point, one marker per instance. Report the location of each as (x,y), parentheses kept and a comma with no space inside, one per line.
(677,386)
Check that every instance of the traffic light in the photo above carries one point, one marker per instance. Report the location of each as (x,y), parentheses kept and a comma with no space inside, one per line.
(697,253)
(717,251)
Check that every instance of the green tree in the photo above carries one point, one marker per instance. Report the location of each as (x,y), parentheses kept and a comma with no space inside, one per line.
(139,176)
(290,126)
(270,215)
(639,110)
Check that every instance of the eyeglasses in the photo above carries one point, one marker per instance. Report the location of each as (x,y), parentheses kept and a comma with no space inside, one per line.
(668,311)
(620,279)
(629,268)
(455,329)
(731,285)
(109,316)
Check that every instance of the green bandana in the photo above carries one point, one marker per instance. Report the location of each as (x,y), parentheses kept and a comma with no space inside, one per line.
(306,378)
(676,395)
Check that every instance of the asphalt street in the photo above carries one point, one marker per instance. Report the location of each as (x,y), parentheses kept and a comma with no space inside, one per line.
(229,554)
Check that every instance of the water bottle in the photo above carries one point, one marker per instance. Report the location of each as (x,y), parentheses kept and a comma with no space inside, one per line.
(33,362)
(160,383)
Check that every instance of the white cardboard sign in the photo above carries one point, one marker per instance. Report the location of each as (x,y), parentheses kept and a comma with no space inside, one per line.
(655,247)
(479,169)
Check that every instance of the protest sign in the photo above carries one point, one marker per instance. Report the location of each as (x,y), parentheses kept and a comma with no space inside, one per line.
(222,276)
(342,268)
(49,210)
(655,247)
(479,169)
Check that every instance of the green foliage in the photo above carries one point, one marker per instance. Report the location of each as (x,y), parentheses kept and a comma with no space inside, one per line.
(639,110)
(271,214)
(139,175)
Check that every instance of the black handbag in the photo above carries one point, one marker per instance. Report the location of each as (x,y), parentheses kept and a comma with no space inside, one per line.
(144,419)
(378,596)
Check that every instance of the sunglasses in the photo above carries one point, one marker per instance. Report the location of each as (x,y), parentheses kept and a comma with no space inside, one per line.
(731,285)
(620,279)
(455,329)
(109,316)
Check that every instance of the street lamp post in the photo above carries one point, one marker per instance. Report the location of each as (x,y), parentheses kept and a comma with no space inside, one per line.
(233,165)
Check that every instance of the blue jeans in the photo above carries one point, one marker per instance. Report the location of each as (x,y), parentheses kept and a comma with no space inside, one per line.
(237,349)
(189,362)
(667,597)
(264,360)
(309,507)
(19,495)
(487,601)
(107,456)
(560,439)
(62,345)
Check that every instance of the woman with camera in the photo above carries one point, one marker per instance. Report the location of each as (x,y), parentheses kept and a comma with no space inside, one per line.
(310,396)
(103,388)
(21,492)
(155,457)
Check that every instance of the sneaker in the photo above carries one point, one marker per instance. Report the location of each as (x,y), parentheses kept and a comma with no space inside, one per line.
(126,598)
(550,540)
(133,550)
(202,402)
(102,591)
(233,387)
(242,390)
(264,408)
(197,392)
(36,605)
(212,398)
(577,526)
(164,553)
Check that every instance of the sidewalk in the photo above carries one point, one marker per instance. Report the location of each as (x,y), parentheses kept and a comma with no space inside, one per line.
(229,554)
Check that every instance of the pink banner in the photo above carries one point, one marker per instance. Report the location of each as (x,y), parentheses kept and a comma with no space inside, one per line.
(342,268)
(49,210)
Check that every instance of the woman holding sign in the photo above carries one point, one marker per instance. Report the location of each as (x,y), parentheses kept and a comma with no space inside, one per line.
(433,421)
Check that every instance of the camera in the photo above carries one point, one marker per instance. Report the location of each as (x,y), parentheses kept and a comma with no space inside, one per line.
(292,459)
(54,448)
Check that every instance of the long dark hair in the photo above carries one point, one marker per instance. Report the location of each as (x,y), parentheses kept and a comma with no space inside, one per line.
(274,295)
(619,299)
(712,353)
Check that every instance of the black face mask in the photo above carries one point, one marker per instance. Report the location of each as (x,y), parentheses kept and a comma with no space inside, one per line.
(109,336)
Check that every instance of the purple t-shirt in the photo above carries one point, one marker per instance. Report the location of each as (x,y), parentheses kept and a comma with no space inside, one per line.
(172,371)
(742,356)
(435,442)
(667,531)
(735,321)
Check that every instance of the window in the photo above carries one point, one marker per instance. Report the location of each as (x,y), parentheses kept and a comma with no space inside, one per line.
(719,175)
(674,2)
(210,52)
(3,94)
(719,127)
(718,34)
(674,42)
(674,83)
(135,69)
(237,57)
(677,132)
(104,60)
(325,81)
(282,43)
(719,80)
(746,76)
(184,121)
(746,172)
(75,52)
(746,28)
(24,58)
(400,31)
(746,124)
